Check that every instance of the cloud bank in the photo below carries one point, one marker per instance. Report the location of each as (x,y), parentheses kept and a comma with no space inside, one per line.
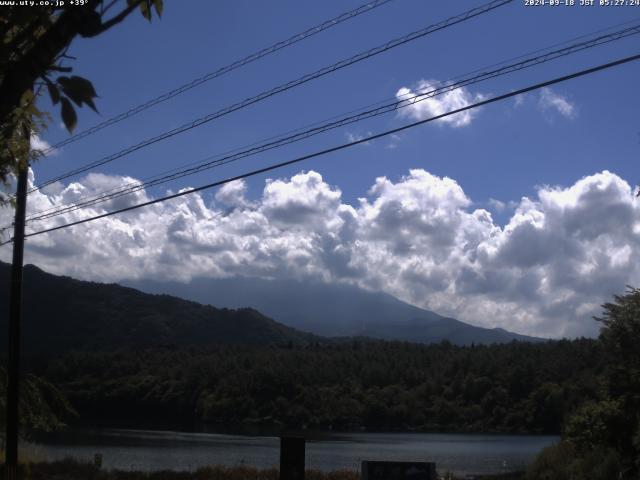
(545,272)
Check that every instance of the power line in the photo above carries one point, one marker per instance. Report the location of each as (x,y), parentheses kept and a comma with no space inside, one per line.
(284,87)
(342,146)
(221,71)
(587,44)
(159,178)
(136,186)
(349,119)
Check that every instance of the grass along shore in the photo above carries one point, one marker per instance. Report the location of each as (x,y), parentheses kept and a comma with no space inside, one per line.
(70,469)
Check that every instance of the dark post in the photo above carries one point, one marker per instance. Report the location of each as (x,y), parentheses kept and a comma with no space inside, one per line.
(15,316)
(291,458)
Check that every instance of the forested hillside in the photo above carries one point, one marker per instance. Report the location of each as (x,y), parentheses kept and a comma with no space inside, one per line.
(63,314)
(517,387)
(120,355)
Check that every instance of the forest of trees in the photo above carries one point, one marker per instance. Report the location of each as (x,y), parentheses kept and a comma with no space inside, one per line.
(517,387)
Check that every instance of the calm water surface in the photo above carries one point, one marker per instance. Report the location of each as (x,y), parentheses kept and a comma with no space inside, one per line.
(158,450)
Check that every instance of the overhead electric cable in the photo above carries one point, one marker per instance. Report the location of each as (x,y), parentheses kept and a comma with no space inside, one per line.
(219,72)
(105,193)
(280,141)
(343,146)
(474,12)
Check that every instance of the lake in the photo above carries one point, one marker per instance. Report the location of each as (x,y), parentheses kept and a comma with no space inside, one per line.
(158,450)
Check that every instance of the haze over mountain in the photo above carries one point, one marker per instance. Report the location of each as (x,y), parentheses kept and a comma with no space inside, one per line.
(63,314)
(331,310)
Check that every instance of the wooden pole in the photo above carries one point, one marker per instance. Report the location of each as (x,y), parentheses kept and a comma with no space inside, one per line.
(15,318)
(292,458)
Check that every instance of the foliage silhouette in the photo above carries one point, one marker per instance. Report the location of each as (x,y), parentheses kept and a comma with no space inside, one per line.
(34,46)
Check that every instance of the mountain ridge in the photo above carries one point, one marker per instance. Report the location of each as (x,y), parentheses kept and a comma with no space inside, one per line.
(247,311)
(332,310)
(56,310)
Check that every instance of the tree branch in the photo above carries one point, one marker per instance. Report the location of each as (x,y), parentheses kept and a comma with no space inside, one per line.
(21,75)
(104,26)
(106,8)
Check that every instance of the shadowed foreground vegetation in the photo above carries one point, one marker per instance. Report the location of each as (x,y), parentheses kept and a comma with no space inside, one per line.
(601,439)
(75,470)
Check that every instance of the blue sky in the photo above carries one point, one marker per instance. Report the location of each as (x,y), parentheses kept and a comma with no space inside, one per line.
(520,215)
(504,154)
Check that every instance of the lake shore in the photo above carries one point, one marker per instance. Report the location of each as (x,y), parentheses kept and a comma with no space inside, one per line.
(153,450)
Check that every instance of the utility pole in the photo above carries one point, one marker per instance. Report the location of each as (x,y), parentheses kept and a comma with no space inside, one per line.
(15,319)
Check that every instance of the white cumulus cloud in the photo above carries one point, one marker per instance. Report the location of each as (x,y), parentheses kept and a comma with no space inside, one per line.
(419,237)
(429,106)
(40,144)
(232,194)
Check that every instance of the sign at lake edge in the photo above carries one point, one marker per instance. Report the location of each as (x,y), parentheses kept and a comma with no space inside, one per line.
(380,470)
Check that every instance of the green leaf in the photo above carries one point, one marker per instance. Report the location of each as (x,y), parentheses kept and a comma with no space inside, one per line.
(54,93)
(78,89)
(159,5)
(145,8)
(68,114)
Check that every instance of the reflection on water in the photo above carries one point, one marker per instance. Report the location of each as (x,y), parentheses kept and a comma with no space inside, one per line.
(159,450)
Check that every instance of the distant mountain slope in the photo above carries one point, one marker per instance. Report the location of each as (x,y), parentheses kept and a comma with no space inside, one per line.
(332,310)
(62,314)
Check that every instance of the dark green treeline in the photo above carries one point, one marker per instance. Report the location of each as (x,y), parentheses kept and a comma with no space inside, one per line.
(517,387)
